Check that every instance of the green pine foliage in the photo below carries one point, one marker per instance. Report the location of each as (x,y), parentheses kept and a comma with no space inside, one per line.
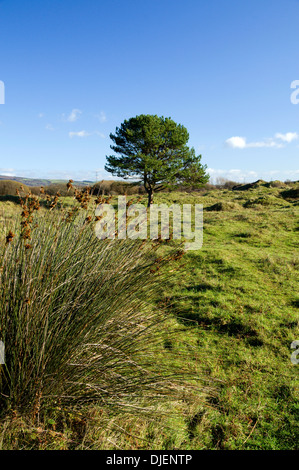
(154,149)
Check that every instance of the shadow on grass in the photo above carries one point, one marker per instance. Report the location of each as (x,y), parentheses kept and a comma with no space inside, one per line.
(202,287)
(232,327)
(290,194)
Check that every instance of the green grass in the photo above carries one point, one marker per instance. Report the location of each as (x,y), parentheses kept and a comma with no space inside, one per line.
(238,296)
(233,306)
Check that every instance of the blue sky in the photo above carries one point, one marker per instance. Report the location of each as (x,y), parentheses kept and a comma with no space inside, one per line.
(73,70)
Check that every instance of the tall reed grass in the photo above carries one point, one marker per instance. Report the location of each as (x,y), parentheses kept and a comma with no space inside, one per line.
(77,318)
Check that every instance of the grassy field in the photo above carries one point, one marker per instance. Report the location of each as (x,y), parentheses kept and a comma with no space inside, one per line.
(240,292)
(234,308)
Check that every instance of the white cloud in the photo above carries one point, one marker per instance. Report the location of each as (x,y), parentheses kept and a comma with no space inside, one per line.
(86,134)
(288,137)
(267,143)
(73,116)
(101,117)
(100,134)
(41,115)
(7,172)
(79,134)
(238,142)
(233,174)
(248,176)
(49,127)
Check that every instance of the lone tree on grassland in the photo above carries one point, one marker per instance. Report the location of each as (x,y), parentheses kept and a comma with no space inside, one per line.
(154,149)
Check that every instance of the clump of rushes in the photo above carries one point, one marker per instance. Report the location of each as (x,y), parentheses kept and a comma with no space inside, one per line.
(69,184)
(54,201)
(9,237)
(83,197)
(29,205)
(77,320)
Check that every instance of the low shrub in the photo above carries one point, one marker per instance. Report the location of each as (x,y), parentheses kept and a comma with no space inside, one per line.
(61,188)
(10,188)
(107,188)
(223,183)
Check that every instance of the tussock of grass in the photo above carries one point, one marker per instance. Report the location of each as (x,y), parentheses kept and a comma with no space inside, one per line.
(78,323)
(224,206)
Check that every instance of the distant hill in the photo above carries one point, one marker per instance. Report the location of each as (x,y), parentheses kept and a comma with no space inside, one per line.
(42,182)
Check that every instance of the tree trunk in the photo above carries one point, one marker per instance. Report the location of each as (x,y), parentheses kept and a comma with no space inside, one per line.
(150,197)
